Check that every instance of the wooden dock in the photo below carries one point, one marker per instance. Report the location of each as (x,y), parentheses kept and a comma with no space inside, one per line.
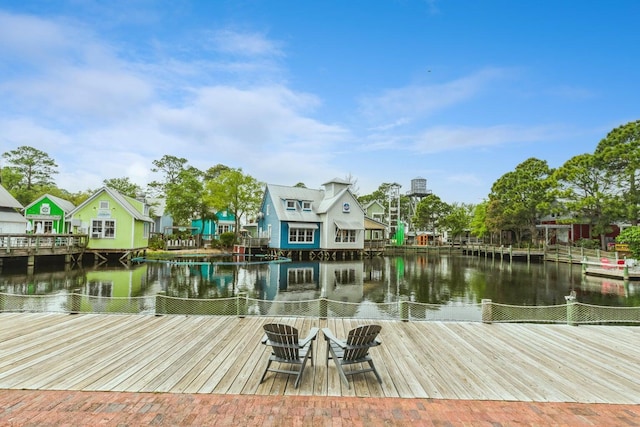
(198,354)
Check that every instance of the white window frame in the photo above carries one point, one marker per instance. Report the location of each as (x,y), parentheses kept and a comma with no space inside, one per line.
(345,236)
(306,205)
(300,276)
(290,204)
(301,235)
(103,228)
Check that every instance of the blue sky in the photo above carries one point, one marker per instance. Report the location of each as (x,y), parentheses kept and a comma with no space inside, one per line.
(458,92)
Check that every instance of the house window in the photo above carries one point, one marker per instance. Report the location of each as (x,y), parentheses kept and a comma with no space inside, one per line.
(299,276)
(300,235)
(224,228)
(306,205)
(345,276)
(104,204)
(291,205)
(103,229)
(345,236)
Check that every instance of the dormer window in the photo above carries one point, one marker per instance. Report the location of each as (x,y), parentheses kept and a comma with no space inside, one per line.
(291,205)
(306,205)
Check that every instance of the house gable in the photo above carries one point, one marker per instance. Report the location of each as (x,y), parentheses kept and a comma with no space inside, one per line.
(302,218)
(113,221)
(49,214)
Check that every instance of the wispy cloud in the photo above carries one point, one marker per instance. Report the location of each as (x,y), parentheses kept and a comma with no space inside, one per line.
(404,105)
(85,102)
(245,44)
(444,138)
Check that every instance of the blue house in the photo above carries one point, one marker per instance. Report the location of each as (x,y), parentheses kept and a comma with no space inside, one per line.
(303,219)
(211,229)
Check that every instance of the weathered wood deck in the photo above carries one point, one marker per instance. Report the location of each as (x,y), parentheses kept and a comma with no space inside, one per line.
(192,354)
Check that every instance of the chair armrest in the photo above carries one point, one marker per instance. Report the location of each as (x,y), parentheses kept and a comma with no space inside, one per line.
(328,335)
(313,333)
(264,340)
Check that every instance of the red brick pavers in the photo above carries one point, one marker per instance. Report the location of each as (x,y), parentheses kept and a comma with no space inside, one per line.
(77,408)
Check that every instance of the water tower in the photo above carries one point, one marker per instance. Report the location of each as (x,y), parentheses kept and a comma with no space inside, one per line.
(417,193)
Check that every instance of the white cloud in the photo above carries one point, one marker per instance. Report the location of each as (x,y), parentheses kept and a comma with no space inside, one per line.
(403,105)
(443,138)
(244,43)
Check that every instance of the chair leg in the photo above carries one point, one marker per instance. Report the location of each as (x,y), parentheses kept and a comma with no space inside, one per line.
(375,371)
(339,367)
(265,371)
(299,377)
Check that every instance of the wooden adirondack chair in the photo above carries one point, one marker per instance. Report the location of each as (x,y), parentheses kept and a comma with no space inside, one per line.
(355,349)
(286,348)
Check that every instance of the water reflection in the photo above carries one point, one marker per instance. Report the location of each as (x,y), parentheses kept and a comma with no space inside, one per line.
(434,279)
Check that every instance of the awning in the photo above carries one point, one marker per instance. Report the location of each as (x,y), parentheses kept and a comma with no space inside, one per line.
(348,225)
(304,225)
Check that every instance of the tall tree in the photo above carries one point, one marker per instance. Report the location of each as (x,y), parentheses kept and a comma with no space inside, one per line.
(184,196)
(620,153)
(123,186)
(478,225)
(31,170)
(518,198)
(458,219)
(169,167)
(430,213)
(236,192)
(585,193)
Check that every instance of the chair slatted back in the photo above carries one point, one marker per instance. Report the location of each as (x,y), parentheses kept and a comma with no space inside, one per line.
(360,340)
(284,341)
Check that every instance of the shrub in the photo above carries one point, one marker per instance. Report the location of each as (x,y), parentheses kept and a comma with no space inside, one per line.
(631,236)
(227,239)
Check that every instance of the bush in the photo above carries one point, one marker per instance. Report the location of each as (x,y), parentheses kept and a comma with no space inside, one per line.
(631,236)
(588,243)
(228,239)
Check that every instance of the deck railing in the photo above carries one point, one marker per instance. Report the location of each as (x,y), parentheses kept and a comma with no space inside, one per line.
(34,242)
(573,312)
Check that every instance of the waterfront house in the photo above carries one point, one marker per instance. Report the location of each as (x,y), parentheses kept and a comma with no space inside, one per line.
(212,228)
(49,214)
(375,210)
(162,221)
(11,221)
(326,222)
(115,223)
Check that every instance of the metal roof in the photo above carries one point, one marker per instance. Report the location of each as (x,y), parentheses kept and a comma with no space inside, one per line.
(7,200)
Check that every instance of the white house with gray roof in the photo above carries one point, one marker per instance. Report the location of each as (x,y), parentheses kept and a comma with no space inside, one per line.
(294,218)
(11,221)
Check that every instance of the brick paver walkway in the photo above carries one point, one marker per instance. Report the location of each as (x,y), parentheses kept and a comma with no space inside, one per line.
(76,408)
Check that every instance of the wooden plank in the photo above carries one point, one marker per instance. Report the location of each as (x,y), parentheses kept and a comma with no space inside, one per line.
(527,362)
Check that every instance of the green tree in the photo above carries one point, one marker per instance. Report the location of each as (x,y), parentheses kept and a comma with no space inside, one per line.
(478,224)
(631,236)
(123,186)
(184,197)
(29,172)
(620,153)
(519,198)
(430,213)
(169,167)
(458,219)
(236,192)
(584,194)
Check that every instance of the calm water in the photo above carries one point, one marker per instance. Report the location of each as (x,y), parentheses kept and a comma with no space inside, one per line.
(428,278)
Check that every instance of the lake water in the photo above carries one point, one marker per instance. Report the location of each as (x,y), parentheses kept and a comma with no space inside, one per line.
(428,278)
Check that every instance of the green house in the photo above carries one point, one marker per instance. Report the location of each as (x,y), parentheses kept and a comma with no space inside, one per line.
(49,214)
(114,222)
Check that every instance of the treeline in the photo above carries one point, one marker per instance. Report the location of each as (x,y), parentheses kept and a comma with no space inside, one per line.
(598,189)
